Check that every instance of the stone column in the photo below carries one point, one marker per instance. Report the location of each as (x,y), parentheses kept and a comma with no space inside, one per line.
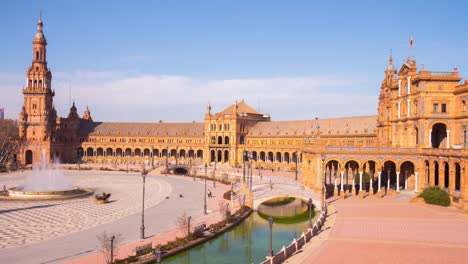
(378,184)
(399,109)
(361,193)
(416,181)
(360,181)
(441,175)
(452,173)
(341,187)
(398,181)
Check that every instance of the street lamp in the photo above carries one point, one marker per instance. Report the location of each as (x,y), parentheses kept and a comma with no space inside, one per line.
(323,183)
(142,228)
(310,212)
(204,206)
(244,156)
(270,222)
(112,249)
(176,155)
(297,155)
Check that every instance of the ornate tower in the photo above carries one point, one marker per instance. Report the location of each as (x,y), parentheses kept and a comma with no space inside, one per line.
(38,115)
(385,106)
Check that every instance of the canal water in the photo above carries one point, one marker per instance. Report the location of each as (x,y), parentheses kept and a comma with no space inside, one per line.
(248,242)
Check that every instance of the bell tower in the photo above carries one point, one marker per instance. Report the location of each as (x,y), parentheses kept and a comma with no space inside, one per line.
(38,115)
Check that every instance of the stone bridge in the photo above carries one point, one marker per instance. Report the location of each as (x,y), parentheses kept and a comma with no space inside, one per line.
(178,169)
(264,190)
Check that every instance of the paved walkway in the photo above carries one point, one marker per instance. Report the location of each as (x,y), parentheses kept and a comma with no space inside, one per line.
(389,230)
(64,237)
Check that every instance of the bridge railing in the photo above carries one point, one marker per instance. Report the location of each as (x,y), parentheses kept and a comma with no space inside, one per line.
(297,243)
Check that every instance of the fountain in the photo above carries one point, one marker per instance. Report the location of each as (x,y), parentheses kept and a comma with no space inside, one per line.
(46,182)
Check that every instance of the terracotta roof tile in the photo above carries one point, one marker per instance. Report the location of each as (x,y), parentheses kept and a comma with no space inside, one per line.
(140,129)
(332,126)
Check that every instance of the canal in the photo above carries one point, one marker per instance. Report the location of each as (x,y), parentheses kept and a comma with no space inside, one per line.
(248,242)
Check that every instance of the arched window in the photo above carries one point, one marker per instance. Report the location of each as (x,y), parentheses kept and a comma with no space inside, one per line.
(37,55)
(241,140)
(416,133)
(220,140)
(463,106)
(226,140)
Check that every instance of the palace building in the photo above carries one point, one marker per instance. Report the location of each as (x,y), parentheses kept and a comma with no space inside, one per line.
(417,139)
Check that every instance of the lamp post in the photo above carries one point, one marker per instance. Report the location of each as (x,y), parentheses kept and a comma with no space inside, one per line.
(323,183)
(244,156)
(112,250)
(297,153)
(270,222)
(310,212)
(142,228)
(250,172)
(204,205)
(176,155)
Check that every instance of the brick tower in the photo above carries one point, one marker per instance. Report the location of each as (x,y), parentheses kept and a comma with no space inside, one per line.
(38,115)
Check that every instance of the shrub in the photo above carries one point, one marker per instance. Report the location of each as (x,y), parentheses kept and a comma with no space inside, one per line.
(435,195)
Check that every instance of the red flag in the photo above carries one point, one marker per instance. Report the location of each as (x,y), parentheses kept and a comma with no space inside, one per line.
(411,41)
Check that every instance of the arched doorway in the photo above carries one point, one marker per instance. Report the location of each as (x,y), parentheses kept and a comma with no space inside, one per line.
(226,156)
(200,154)
(331,171)
(438,135)
(29,157)
(213,156)
(407,179)
(220,156)
(446,175)
(436,173)
(351,170)
(457,177)
(389,175)
(428,172)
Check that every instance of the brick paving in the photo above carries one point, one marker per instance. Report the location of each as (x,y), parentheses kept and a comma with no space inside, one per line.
(25,222)
(389,230)
(65,237)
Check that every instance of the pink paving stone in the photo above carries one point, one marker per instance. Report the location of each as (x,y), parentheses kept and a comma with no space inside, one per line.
(126,250)
(386,230)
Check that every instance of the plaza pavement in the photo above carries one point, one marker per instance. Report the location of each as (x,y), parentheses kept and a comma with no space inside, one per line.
(58,231)
(388,230)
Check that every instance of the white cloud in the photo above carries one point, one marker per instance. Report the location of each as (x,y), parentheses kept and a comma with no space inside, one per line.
(114,96)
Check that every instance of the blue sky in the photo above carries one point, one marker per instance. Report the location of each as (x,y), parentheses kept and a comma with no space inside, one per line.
(152,60)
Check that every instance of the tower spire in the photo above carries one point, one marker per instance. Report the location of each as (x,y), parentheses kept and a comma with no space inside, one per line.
(390,60)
